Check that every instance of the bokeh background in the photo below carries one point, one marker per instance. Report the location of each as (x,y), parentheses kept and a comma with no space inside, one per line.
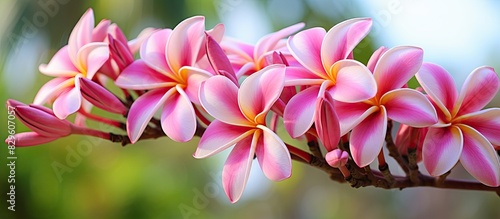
(81,177)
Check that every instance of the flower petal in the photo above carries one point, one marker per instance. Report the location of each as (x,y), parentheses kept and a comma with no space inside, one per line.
(139,76)
(305,47)
(68,102)
(52,89)
(237,168)
(268,43)
(342,38)
(273,156)
(135,44)
(439,85)
(178,119)
(81,34)
(153,52)
(354,82)
(479,158)
(299,112)
(185,42)
(195,76)
(479,89)
(101,97)
(143,109)
(91,57)
(256,97)
(301,76)
(351,114)
(24,139)
(60,65)
(442,148)
(218,136)
(409,107)
(219,97)
(486,122)
(396,67)
(327,122)
(375,57)
(367,138)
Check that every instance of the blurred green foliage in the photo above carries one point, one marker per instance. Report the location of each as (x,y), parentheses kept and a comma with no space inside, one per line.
(81,177)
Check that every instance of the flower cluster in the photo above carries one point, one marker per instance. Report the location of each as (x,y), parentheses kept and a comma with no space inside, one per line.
(233,94)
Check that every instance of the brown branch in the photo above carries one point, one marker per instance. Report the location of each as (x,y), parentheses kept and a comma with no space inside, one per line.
(359,177)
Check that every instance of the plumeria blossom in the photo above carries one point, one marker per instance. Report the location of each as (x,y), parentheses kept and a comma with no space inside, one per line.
(241,121)
(81,58)
(247,58)
(368,119)
(326,68)
(167,69)
(464,132)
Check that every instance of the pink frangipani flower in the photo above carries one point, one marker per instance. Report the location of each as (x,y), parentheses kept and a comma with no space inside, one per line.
(464,132)
(81,58)
(368,119)
(167,69)
(248,59)
(241,121)
(326,68)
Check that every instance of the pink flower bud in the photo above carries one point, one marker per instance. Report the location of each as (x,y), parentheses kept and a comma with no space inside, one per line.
(45,125)
(40,119)
(337,158)
(410,137)
(327,122)
(101,97)
(218,59)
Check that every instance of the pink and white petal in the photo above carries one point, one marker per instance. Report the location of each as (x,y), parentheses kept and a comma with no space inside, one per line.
(178,119)
(219,97)
(152,51)
(479,89)
(273,156)
(195,76)
(299,112)
(81,34)
(269,42)
(351,114)
(185,42)
(305,47)
(396,67)
(375,58)
(60,65)
(91,57)
(143,109)
(135,44)
(68,102)
(439,85)
(326,122)
(139,76)
(256,97)
(100,32)
(52,89)
(237,48)
(441,149)
(247,69)
(479,157)
(301,76)
(342,38)
(25,139)
(216,34)
(409,107)
(367,138)
(486,122)
(354,82)
(237,168)
(218,136)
